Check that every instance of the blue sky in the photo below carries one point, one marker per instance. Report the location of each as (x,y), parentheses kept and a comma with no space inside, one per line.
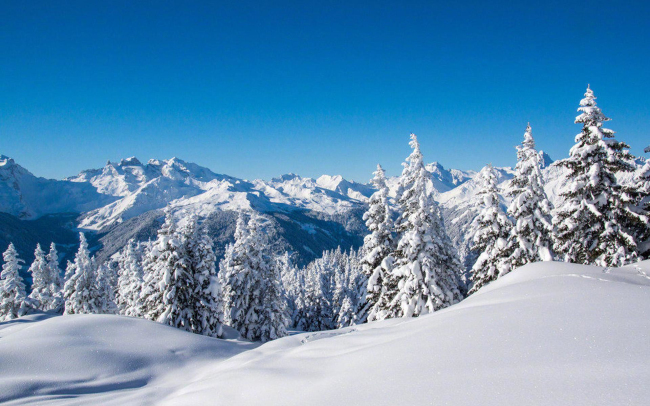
(256,90)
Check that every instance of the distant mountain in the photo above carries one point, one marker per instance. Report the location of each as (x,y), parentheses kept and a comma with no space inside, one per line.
(29,197)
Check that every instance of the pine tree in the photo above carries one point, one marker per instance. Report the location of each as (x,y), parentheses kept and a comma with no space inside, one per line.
(273,318)
(206,303)
(105,290)
(377,246)
(12,287)
(56,282)
(130,280)
(81,292)
(490,239)
(426,267)
(250,282)
(40,296)
(637,198)
(531,235)
(589,225)
(292,283)
(159,265)
(313,310)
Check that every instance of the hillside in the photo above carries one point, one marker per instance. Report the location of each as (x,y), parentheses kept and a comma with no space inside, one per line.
(545,334)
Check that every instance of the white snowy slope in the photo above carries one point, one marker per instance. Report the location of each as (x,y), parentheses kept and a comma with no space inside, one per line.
(99,359)
(28,197)
(545,334)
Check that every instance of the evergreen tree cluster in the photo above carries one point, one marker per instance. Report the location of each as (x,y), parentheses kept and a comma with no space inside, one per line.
(407,265)
(172,280)
(327,293)
(598,221)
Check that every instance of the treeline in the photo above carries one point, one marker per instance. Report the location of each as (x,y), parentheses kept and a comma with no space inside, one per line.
(406,267)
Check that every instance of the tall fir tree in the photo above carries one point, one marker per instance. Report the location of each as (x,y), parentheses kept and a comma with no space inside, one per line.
(56,282)
(81,292)
(378,247)
(12,288)
(130,281)
(250,282)
(426,267)
(40,296)
(206,303)
(531,237)
(637,197)
(105,289)
(159,265)
(493,230)
(590,224)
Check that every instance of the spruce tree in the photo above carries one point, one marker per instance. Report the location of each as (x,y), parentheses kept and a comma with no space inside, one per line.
(40,296)
(81,292)
(493,230)
(291,282)
(56,282)
(206,302)
(590,224)
(251,282)
(129,283)
(377,246)
(105,290)
(426,267)
(637,198)
(273,319)
(12,287)
(159,265)
(531,235)
(313,310)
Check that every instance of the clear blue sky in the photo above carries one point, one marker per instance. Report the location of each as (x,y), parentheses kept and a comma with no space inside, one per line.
(256,90)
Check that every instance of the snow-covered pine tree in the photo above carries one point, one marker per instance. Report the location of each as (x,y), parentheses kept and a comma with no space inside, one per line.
(56,282)
(426,267)
(40,296)
(80,292)
(531,237)
(637,198)
(105,290)
(491,237)
(273,319)
(159,265)
(129,283)
(12,287)
(377,246)
(250,281)
(207,305)
(235,274)
(590,224)
(313,310)
(291,282)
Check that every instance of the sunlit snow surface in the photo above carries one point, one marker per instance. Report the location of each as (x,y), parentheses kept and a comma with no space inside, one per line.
(546,334)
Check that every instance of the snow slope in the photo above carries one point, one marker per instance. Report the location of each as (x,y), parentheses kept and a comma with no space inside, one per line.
(545,334)
(98,359)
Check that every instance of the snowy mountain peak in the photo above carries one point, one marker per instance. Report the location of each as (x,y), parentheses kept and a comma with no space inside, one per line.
(132,161)
(546,159)
(337,183)
(286,177)
(5,161)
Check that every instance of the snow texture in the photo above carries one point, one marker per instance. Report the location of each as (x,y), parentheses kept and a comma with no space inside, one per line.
(545,334)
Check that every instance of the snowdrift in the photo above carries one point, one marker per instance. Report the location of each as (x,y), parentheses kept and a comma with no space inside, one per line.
(546,334)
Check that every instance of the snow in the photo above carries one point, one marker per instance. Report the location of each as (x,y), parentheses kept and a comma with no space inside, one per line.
(545,334)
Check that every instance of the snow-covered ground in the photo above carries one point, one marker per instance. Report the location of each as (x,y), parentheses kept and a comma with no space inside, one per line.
(546,334)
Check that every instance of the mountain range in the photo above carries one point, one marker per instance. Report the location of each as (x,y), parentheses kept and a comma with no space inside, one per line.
(125,199)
